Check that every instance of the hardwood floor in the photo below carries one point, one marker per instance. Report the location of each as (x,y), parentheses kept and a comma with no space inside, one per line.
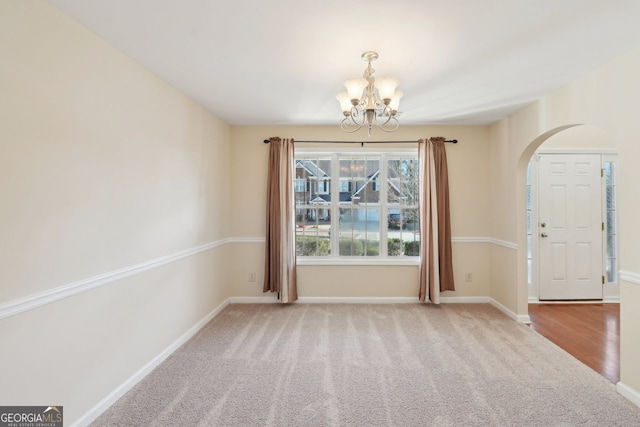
(589,332)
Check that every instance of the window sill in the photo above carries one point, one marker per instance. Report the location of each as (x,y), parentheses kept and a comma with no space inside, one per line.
(415,261)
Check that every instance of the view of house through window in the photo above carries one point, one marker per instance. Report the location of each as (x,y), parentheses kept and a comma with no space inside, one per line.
(357,205)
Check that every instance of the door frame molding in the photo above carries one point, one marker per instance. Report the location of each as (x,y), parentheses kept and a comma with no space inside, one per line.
(611,291)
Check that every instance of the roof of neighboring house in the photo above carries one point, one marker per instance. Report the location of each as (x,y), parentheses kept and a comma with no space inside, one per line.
(345,196)
(311,167)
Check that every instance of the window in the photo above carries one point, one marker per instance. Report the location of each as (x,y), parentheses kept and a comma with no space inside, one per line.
(529,226)
(300,185)
(611,264)
(363,206)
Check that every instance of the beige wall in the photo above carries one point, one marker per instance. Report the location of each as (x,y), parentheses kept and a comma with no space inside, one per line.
(102,166)
(580,138)
(469,177)
(605,99)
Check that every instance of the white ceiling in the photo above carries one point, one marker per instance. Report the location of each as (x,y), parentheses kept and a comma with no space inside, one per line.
(257,62)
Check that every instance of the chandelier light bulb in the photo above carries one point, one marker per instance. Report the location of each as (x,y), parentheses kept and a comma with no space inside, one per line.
(395,101)
(386,87)
(355,87)
(345,102)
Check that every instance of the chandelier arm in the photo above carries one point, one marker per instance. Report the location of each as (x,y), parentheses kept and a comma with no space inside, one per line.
(358,116)
(346,124)
(391,125)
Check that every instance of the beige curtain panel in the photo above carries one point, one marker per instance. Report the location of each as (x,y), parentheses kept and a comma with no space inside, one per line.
(280,247)
(436,266)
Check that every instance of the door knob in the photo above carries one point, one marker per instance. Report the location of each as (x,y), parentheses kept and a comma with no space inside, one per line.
(543,234)
(544,224)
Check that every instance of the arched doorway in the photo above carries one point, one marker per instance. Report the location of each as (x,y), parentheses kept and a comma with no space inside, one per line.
(578,142)
(557,148)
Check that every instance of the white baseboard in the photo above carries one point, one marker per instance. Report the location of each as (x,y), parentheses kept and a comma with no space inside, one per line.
(254,300)
(384,300)
(357,300)
(629,393)
(116,394)
(611,300)
(520,318)
(464,300)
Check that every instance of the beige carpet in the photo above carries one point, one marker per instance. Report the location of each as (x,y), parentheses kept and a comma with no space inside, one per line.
(370,365)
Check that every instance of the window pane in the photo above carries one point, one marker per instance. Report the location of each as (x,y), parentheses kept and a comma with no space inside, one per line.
(608,173)
(358,180)
(312,232)
(313,181)
(611,222)
(403,232)
(403,181)
(611,245)
(359,232)
(611,270)
(611,203)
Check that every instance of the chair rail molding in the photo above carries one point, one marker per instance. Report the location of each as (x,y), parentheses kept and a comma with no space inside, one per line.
(30,302)
(630,276)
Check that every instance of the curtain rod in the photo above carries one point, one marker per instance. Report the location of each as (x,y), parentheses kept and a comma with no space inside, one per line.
(452,141)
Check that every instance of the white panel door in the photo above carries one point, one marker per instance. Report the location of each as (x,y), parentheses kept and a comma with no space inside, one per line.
(570,226)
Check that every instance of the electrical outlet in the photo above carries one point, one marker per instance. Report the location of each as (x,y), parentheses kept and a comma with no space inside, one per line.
(468,277)
(252,277)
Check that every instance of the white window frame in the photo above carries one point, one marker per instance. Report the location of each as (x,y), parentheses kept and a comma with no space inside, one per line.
(383,259)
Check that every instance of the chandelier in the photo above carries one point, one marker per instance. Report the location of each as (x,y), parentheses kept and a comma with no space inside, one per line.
(370,102)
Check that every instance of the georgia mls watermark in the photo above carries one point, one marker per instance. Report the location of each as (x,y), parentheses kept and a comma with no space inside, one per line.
(31,416)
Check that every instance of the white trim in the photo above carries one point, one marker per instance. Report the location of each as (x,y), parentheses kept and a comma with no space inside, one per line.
(629,276)
(415,261)
(611,300)
(29,302)
(471,240)
(520,318)
(533,300)
(462,239)
(353,149)
(246,240)
(254,300)
(629,393)
(504,243)
(464,300)
(116,394)
(357,300)
(386,300)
